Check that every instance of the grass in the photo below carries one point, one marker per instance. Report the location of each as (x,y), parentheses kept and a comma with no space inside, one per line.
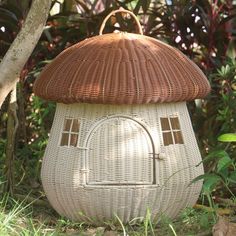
(19,218)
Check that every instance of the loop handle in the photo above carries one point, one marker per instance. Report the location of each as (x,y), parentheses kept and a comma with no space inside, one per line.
(120,10)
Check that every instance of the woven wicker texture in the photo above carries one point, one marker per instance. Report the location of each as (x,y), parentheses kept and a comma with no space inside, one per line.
(121,68)
(106,159)
(111,169)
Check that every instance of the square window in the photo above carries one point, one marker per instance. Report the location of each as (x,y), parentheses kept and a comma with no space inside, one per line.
(64,139)
(67,124)
(70,132)
(73,140)
(178,137)
(165,125)
(174,122)
(171,132)
(167,138)
(75,126)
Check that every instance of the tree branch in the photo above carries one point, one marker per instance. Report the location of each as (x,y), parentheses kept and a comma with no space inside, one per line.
(22,47)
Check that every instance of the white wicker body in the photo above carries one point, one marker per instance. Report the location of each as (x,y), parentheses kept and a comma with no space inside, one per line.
(120,164)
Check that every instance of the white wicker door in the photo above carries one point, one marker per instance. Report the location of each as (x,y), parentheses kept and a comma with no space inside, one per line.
(120,152)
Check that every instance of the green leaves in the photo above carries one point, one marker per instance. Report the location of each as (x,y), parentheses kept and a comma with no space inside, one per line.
(223,168)
(232,177)
(230,137)
(224,163)
(215,156)
(224,71)
(210,182)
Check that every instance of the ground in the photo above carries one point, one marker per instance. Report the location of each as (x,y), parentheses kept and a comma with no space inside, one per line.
(38,218)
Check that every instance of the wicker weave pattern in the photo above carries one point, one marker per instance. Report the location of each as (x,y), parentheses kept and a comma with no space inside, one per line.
(69,174)
(121,68)
(131,155)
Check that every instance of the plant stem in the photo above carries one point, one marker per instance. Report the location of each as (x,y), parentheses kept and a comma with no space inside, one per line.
(209,197)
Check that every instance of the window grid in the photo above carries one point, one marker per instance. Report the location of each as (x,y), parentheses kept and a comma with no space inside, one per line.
(70,132)
(171,125)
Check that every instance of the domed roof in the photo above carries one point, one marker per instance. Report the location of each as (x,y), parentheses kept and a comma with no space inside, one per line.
(121,68)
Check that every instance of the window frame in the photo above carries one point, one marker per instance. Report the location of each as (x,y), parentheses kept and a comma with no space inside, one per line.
(70,132)
(171,130)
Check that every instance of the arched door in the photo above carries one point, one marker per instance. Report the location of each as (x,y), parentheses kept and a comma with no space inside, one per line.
(120,152)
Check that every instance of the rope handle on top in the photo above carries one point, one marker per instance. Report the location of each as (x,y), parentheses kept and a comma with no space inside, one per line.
(116,11)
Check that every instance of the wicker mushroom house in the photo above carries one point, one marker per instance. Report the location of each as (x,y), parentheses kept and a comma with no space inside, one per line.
(122,140)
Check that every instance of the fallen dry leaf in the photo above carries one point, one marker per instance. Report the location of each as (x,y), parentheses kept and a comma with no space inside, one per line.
(224,228)
(111,233)
(232,229)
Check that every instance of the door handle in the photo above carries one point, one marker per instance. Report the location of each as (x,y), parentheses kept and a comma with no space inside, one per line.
(158,156)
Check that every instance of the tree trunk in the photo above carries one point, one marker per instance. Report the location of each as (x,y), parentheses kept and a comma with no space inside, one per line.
(22,47)
(12,125)
(22,136)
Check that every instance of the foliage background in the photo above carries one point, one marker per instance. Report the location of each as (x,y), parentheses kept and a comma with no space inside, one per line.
(204,30)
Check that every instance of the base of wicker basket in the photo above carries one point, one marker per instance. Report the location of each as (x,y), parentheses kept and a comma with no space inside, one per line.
(99,204)
(103,161)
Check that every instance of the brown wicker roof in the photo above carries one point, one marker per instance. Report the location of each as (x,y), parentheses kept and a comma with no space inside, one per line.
(121,68)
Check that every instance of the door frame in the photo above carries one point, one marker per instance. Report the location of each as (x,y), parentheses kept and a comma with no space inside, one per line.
(98,123)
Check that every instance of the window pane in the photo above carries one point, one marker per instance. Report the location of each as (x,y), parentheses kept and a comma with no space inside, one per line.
(167,138)
(64,139)
(178,137)
(67,124)
(174,122)
(165,124)
(75,126)
(73,140)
